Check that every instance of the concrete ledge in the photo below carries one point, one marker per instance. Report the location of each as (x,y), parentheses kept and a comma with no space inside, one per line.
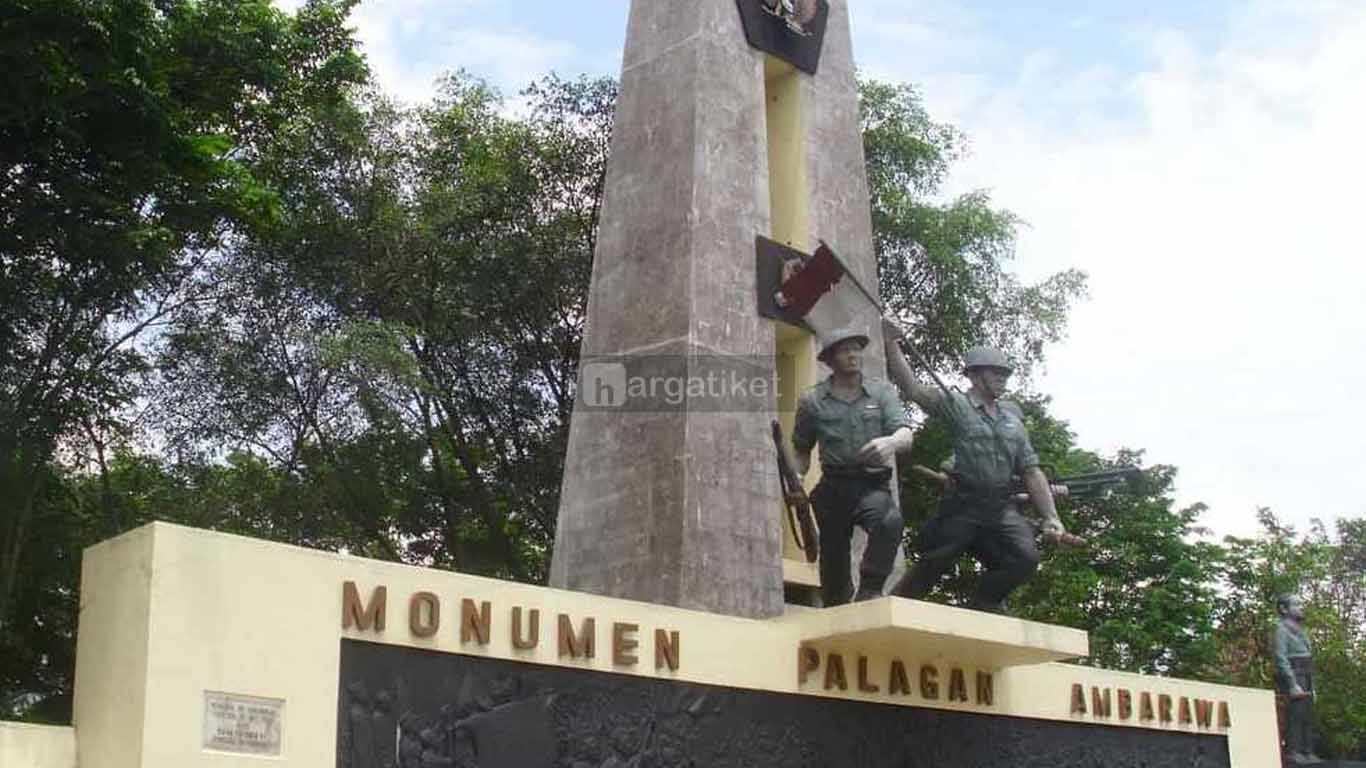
(37,746)
(896,624)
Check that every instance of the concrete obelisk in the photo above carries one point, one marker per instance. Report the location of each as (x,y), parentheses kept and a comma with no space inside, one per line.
(715,142)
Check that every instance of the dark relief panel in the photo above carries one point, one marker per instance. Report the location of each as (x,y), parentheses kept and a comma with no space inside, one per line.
(407,708)
(771,35)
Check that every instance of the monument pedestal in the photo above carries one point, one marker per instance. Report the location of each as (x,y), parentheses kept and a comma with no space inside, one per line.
(204,649)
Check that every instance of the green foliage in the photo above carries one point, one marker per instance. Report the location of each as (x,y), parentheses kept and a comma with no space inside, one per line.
(130,139)
(1144,585)
(942,265)
(421,306)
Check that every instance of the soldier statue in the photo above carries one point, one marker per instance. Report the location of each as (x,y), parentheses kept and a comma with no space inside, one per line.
(860,425)
(1295,680)
(976,514)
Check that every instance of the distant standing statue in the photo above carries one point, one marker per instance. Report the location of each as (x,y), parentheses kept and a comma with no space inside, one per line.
(860,425)
(1295,680)
(990,447)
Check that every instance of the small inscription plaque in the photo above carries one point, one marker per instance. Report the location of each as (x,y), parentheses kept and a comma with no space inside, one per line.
(248,725)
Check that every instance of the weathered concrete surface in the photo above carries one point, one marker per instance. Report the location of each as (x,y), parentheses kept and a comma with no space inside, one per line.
(37,746)
(680,507)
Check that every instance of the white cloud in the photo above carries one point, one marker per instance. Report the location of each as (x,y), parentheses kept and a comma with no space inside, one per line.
(508,58)
(1216,211)
(410,44)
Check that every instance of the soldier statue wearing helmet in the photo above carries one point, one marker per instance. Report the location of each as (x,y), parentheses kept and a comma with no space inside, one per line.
(860,425)
(1294,665)
(990,447)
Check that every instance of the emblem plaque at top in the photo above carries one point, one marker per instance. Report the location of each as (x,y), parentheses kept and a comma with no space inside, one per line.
(792,30)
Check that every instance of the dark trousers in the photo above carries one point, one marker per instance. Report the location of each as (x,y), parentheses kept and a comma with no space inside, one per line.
(1299,713)
(842,502)
(991,530)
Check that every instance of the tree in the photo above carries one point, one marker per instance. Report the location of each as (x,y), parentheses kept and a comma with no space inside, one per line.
(412,329)
(943,266)
(127,146)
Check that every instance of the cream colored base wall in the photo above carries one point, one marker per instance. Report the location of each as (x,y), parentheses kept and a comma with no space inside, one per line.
(36,746)
(170,615)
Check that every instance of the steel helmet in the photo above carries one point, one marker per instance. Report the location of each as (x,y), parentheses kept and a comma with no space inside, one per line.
(986,357)
(837,336)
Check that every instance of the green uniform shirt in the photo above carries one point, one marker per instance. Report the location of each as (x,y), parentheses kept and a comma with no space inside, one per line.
(1289,641)
(988,450)
(843,428)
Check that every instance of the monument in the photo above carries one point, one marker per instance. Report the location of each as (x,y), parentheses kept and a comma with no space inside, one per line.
(664,639)
(716,142)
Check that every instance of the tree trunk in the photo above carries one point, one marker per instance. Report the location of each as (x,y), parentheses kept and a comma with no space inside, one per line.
(25,478)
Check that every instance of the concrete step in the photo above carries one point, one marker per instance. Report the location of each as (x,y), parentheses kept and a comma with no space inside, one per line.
(973,637)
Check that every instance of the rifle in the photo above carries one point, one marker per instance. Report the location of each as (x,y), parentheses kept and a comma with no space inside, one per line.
(1095,484)
(1078,487)
(795,500)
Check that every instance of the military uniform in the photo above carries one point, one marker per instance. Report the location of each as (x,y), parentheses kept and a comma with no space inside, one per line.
(1295,673)
(851,492)
(977,516)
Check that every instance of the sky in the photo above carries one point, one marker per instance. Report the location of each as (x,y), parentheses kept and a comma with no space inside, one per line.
(1202,162)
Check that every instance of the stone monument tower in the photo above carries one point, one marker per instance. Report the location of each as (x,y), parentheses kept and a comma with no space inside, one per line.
(716,142)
